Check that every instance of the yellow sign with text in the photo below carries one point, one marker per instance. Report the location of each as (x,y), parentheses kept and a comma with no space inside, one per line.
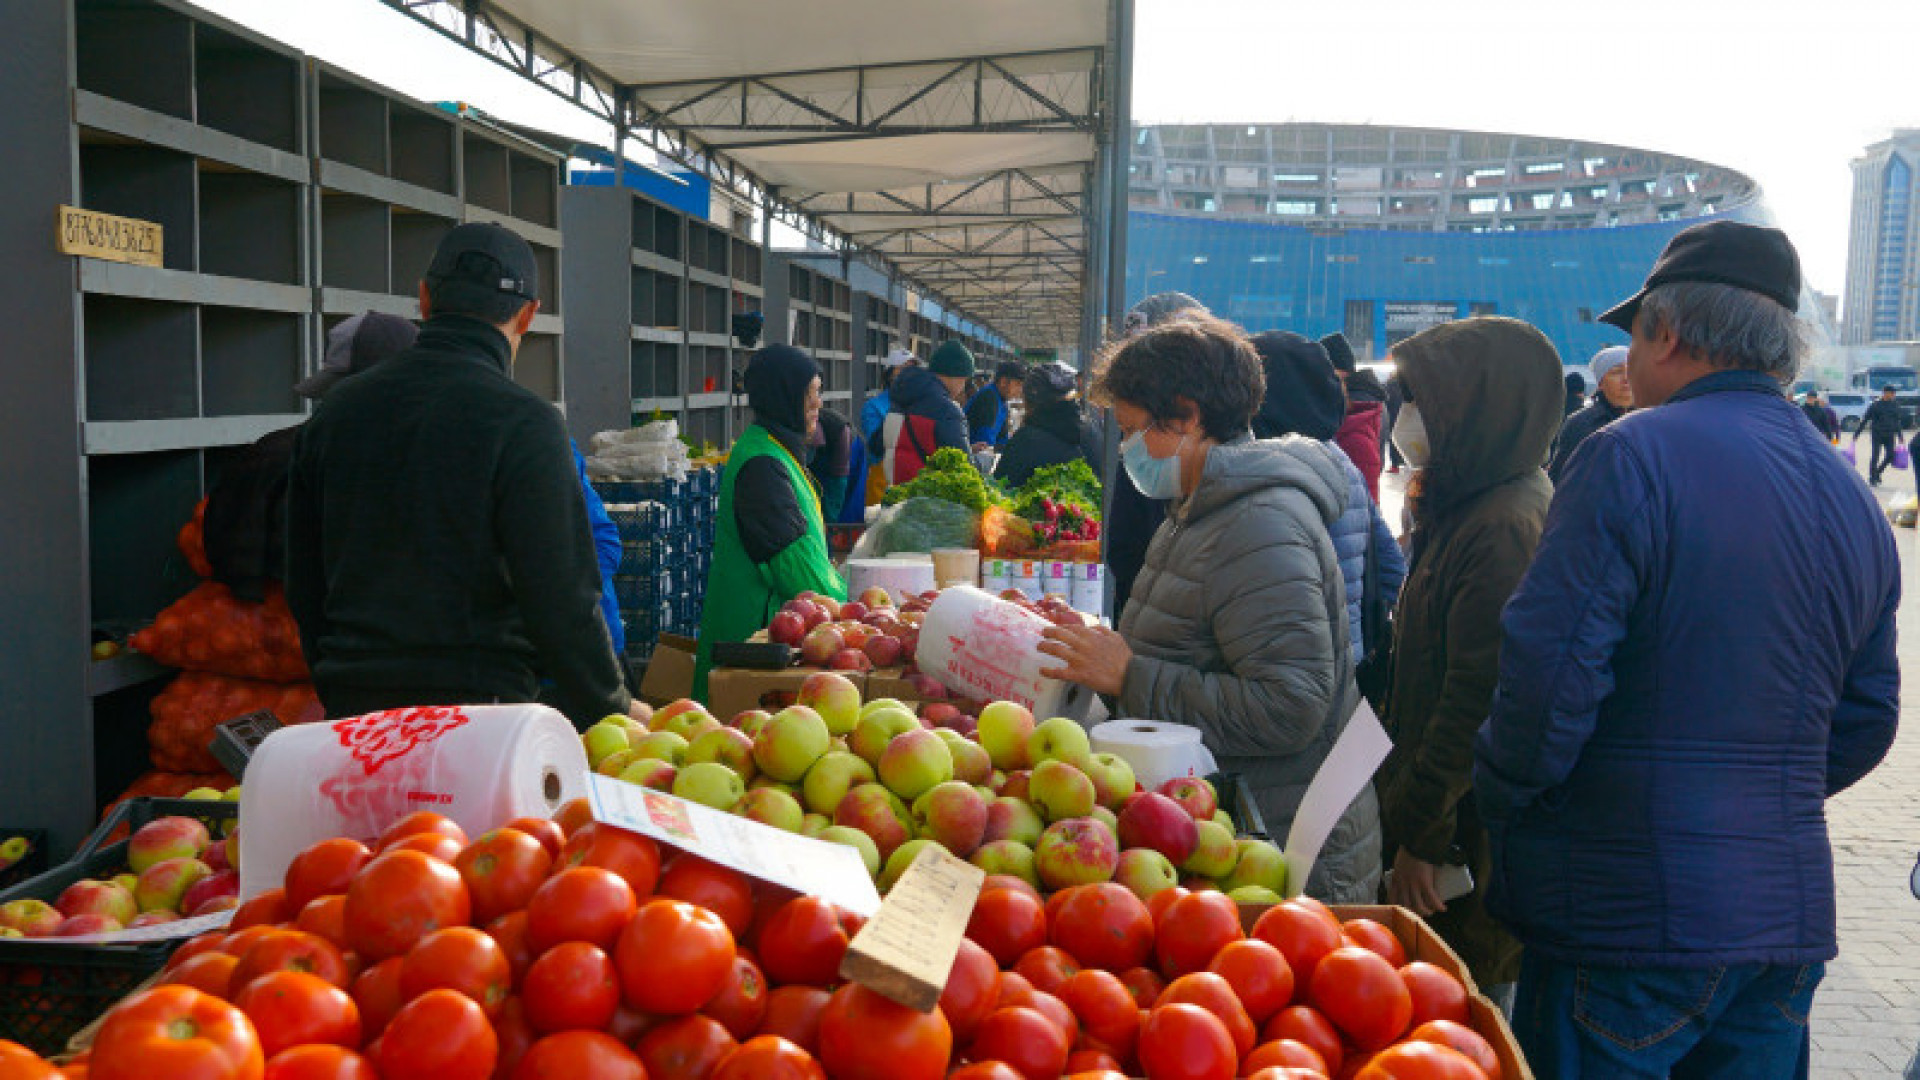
(103,236)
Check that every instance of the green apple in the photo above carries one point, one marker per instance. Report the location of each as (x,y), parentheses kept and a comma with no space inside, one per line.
(128,882)
(710,783)
(232,794)
(834,697)
(1145,871)
(1009,857)
(651,773)
(901,858)
(836,773)
(603,739)
(855,839)
(1012,819)
(914,763)
(771,806)
(815,824)
(616,763)
(162,885)
(879,703)
(970,761)
(1060,739)
(1060,791)
(663,746)
(877,728)
(1215,854)
(752,722)
(728,747)
(1254,894)
(1259,863)
(1108,818)
(679,717)
(204,794)
(791,743)
(1112,778)
(1226,819)
(1003,730)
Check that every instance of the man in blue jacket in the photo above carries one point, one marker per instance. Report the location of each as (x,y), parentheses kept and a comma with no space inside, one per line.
(1668,725)
(987,410)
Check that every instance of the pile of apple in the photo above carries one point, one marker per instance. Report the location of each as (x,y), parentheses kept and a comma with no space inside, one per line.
(869,633)
(176,868)
(1014,797)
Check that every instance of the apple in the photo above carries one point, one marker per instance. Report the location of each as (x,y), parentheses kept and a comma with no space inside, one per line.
(853,610)
(876,598)
(970,761)
(819,646)
(855,839)
(898,862)
(700,727)
(954,814)
(651,773)
(1113,780)
(787,628)
(883,650)
(1255,894)
(1214,853)
(603,740)
(1060,791)
(850,659)
(218,903)
(127,881)
(89,897)
(876,704)
(925,687)
(914,762)
(877,812)
(167,838)
(1075,851)
(771,806)
(164,884)
(1260,864)
(728,746)
(878,728)
(815,824)
(1004,728)
(768,782)
(205,794)
(232,794)
(661,719)
(1193,793)
(152,918)
(941,714)
(12,850)
(1151,820)
(1060,739)
(215,885)
(616,763)
(834,697)
(686,723)
(825,603)
(1107,817)
(1225,819)
(709,783)
(1145,871)
(1009,857)
(216,856)
(663,746)
(752,722)
(1017,784)
(792,741)
(634,728)
(32,918)
(1012,819)
(836,773)
(76,925)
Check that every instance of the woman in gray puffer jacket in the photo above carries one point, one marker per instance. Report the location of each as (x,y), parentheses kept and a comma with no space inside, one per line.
(1238,622)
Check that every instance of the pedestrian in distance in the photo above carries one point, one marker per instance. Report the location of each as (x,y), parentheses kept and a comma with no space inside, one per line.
(1824,419)
(987,410)
(1613,400)
(1055,430)
(924,413)
(1887,423)
(1360,432)
(1668,726)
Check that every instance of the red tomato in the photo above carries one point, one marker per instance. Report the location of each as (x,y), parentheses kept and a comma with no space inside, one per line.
(634,857)
(1082,1062)
(325,916)
(1214,994)
(324,869)
(509,931)
(864,1036)
(685,1048)
(584,903)
(1363,996)
(377,992)
(209,973)
(742,1002)
(176,1032)
(1158,902)
(441,1034)
(1106,1010)
(573,815)
(1186,1042)
(1284,1054)
(237,944)
(1302,934)
(399,898)
(673,957)
(458,958)
(803,942)
(1013,989)
(1284,1072)
(1025,1039)
(19,1063)
(1304,1024)
(724,892)
(1007,924)
(1258,974)
(419,822)
(318,1062)
(1047,968)
(440,846)
(575,1055)
(1420,1061)
(516,1037)
(769,1057)
(1145,984)
(208,942)
(290,950)
(292,1008)
(1436,995)
(1193,929)
(1375,938)
(1055,1010)
(1462,1038)
(550,835)
(501,870)
(973,986)
(266,909)
(793,1013)
(572,986)
(986,1070)
(1103,926)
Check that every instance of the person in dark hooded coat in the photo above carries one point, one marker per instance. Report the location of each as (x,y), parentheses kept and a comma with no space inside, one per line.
(1360,431)
(1055,430)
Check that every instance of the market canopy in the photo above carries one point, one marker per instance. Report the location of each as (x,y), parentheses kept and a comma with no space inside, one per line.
(967,142)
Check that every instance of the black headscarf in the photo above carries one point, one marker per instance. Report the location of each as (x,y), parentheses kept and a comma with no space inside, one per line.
(777,380)
(1303,394)
(1047,383)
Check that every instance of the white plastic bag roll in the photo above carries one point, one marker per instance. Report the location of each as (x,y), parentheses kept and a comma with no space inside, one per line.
(901,578)
(1158,752)
(481,765)
(987,649)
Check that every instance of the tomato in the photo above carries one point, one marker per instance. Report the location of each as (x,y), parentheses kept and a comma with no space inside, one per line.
(209,973)
(1186,1042)
(584,903)
(1103,926)
(176,1032)
(208,942)
(1007,924)
(572,1055)
(516,1036)
(1105,1009)
(550,835)
(769,1057)
(634,857)
(685,1048)
(793,1013)
(1283,1054)
(1047,968)
(439,846)
(442,1034)
(1008,881)
(292,1008)
(571,986)
(290,950)
(724,892)
(1214,994)
(1285,1072)
(742,1002)
(1051,1007)
(1012,989)
(575,813)
(19,1063)
(237,944)
(509,931)
(1258,974)
(1462,1038)
(501,870)
(458,958)
(1302,934)
(1192,929)
(1363,996)
(986,1070)
(377,993)
(318,1062)
(1420,1061)
(864,1036)
(1436,995)
(1093,1061)
(1304,1024)
(971,991)
(803,942)
(1376,938)
(399,898)
(266,909)
(673,957)
(422,822)
(1025,1039)
(325,916)
(324,869)
(1145,984)
(1157,903)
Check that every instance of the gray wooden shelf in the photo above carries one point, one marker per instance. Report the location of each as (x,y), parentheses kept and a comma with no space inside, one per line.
(336,176)
(179,286)
(184,433)
(91,110)
(128,669)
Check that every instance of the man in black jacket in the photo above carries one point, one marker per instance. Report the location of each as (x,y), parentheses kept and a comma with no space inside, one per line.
(437,543)
(1612,399)
(1886,420)
(1824,420)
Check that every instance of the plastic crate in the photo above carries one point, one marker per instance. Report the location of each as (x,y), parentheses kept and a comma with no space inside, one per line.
(48,990)
(1237,800)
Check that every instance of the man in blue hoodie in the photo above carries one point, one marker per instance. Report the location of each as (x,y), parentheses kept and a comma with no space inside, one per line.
(924,414)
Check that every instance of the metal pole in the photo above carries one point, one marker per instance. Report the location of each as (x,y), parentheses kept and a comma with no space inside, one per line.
(1119,151)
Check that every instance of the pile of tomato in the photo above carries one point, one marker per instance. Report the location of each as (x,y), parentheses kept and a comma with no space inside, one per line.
(569,949)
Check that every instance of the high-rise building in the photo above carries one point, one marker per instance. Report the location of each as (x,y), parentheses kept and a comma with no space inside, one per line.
(1883,282)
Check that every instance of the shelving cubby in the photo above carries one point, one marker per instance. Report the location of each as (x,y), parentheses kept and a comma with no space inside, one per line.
(627,295)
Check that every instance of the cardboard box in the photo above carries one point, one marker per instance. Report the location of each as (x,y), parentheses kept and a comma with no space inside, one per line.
(669,674)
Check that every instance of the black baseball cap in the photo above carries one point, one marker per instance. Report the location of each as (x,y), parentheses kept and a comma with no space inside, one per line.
(480,260)
(1749,257)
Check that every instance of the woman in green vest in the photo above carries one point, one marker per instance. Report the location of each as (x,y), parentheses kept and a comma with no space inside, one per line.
(770,543)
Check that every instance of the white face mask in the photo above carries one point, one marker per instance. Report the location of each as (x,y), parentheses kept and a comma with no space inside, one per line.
(1410,436)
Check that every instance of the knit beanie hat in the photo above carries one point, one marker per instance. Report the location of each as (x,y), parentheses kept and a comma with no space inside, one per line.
(1606,360)
(952,360)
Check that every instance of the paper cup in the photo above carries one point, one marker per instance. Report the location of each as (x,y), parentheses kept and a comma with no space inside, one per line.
(956,566)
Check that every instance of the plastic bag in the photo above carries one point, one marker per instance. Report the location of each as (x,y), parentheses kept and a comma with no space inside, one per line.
(193,541)
(209,629)
(652,451)
(1901,459)
(1904,510)
(919,525)
(187,711)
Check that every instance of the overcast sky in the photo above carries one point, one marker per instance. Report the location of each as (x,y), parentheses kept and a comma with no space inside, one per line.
(1787,93)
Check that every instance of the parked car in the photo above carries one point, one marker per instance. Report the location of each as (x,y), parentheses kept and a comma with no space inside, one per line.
(1849,407)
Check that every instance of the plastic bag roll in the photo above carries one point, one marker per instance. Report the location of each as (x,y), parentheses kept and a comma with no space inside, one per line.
(901,578)
(481,765)
(983,648)
(1158,752)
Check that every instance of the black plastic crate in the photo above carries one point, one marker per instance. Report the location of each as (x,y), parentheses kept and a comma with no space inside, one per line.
(1237,800)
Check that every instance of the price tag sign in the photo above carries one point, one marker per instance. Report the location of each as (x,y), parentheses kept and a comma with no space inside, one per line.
(905,951)
(104,236)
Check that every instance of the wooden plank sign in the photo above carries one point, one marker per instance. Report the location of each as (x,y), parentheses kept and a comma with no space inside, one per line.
(103,236)
(905,951)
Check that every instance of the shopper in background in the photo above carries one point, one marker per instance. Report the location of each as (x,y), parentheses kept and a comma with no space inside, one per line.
(924,414)
(1822,417)
(1483,404)
(1361,430)
(1055,430)
(437,544)
(1396,396)
(873,419)
(1237,624)
(1887,423)
(1613,400)
(830,460)
(1131,517)
(770,541)
(607,551)
(1669,723)
(987,410)
(1576,392)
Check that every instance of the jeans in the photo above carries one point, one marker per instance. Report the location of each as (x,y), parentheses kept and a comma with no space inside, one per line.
(1878,464)
(1748,1021)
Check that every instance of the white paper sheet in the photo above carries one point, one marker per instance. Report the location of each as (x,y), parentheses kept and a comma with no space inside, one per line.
(1356,755)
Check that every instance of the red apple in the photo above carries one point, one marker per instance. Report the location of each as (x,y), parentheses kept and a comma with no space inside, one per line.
(811,614)
(820,645)
(876,598)
(940,714)
(220,883)
(927,688)
(1152,820)
(787,628)
(884,651)
(75,925)
(850,660)
(1193,793)
(152,918)
(217,904)
(853,611)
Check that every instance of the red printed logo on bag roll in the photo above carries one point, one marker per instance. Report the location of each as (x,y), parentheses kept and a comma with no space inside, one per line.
(378,739)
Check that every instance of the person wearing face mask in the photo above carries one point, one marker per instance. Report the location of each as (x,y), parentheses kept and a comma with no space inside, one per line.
(770,543)
(1612,401)
(1484,400)
(1238,621)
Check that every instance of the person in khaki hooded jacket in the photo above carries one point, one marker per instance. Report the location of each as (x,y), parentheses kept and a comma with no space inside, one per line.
(1484,402)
